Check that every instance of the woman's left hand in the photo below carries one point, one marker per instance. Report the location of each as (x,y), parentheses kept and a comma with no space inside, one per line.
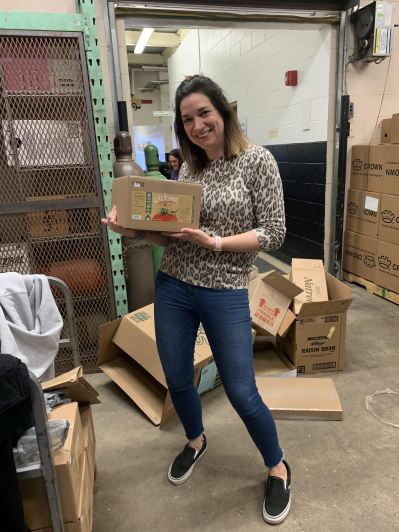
(194,235)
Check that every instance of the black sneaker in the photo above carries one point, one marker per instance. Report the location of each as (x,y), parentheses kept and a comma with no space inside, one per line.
(183,465)
(277,502)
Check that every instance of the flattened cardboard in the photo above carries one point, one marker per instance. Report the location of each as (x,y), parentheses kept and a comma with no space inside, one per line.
(270,295)
(306,398)
(389,219)
(309,275)
(76,386)
(363,212)
(360,255)
(156,205)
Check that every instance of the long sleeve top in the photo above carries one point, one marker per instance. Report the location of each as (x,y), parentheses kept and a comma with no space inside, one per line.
(238,195)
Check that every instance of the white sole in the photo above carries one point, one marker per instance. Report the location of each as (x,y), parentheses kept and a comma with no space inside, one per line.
(276,520)
(181,480)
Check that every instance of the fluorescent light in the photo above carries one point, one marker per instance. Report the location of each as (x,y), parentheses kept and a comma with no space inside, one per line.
(143,40)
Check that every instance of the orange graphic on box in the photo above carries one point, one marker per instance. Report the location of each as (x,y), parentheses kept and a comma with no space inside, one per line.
(265,313)
(165,214)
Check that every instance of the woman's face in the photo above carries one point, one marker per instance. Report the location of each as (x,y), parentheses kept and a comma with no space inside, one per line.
(203,124)
(174,162)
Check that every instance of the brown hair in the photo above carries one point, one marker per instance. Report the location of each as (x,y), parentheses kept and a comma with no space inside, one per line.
(177,154)
(234,139)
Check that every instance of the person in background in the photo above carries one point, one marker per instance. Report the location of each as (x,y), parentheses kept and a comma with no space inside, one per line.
(204,273)
(175,162)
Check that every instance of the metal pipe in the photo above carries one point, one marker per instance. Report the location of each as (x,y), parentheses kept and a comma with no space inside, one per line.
(107,8)
(339,145)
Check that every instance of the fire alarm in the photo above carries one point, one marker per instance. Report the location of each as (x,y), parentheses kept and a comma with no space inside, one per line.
(291,78)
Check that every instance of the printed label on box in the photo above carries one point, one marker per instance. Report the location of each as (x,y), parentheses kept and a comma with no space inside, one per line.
(162,207)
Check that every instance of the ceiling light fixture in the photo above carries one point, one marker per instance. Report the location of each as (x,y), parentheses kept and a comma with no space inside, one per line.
(143,40)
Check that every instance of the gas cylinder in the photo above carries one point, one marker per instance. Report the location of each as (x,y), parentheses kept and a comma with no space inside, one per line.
(137,257)
(152,162)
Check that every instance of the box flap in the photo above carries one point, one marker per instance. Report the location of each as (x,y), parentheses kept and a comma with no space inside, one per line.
(280,283)
(148,395)
(75,384)
(288,319)
(301,398)
(107,350)
(340,299)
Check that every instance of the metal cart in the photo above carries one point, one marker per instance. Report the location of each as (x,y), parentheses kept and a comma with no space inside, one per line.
(45,468)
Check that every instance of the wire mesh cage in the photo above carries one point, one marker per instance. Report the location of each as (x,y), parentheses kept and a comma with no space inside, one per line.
(50,190)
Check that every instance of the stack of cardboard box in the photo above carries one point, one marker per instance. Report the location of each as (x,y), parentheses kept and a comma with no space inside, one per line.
(371,244)
(74,462)
(306,314)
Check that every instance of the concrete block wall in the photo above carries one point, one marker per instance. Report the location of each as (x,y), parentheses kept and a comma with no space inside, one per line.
(250,64)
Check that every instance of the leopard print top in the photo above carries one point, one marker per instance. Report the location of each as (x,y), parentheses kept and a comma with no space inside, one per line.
(239,195)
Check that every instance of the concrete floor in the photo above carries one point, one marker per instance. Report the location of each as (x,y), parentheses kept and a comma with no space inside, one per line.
(345,473)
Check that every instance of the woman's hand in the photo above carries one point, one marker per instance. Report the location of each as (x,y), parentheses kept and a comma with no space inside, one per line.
(111,222)
(196,236)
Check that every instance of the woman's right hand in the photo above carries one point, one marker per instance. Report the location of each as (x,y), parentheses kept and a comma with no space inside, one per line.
(111,222)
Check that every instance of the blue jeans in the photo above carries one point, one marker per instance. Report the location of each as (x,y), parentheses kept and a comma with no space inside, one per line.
(224,314)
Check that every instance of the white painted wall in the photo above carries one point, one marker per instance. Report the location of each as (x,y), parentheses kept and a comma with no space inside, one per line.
(250,64)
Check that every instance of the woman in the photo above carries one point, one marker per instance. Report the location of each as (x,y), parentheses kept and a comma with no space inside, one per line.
(175,162)
(204,277)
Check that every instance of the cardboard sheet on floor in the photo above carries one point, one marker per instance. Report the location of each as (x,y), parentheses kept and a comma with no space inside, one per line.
(301,398)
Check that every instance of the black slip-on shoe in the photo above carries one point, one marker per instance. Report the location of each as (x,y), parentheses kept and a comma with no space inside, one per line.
(182,466)
(277,501)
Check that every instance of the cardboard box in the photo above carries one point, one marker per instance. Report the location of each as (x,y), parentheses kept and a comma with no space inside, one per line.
(47,222)
(395,129)
(389,219)
(44,142)
(360,255)
(386,125)
(156,205)
(316,341)
(313,399)
(368,167)
(391,177)
(128,355)
(270,295)
(387,275)
(14,257)
(74,383)
(68,463)
(363,212)
(89,438)
(84,522)
(309,275)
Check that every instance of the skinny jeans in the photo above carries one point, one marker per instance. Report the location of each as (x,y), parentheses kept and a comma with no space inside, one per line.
(224,313)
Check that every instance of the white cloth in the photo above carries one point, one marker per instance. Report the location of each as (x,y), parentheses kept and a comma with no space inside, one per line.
(30,322)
